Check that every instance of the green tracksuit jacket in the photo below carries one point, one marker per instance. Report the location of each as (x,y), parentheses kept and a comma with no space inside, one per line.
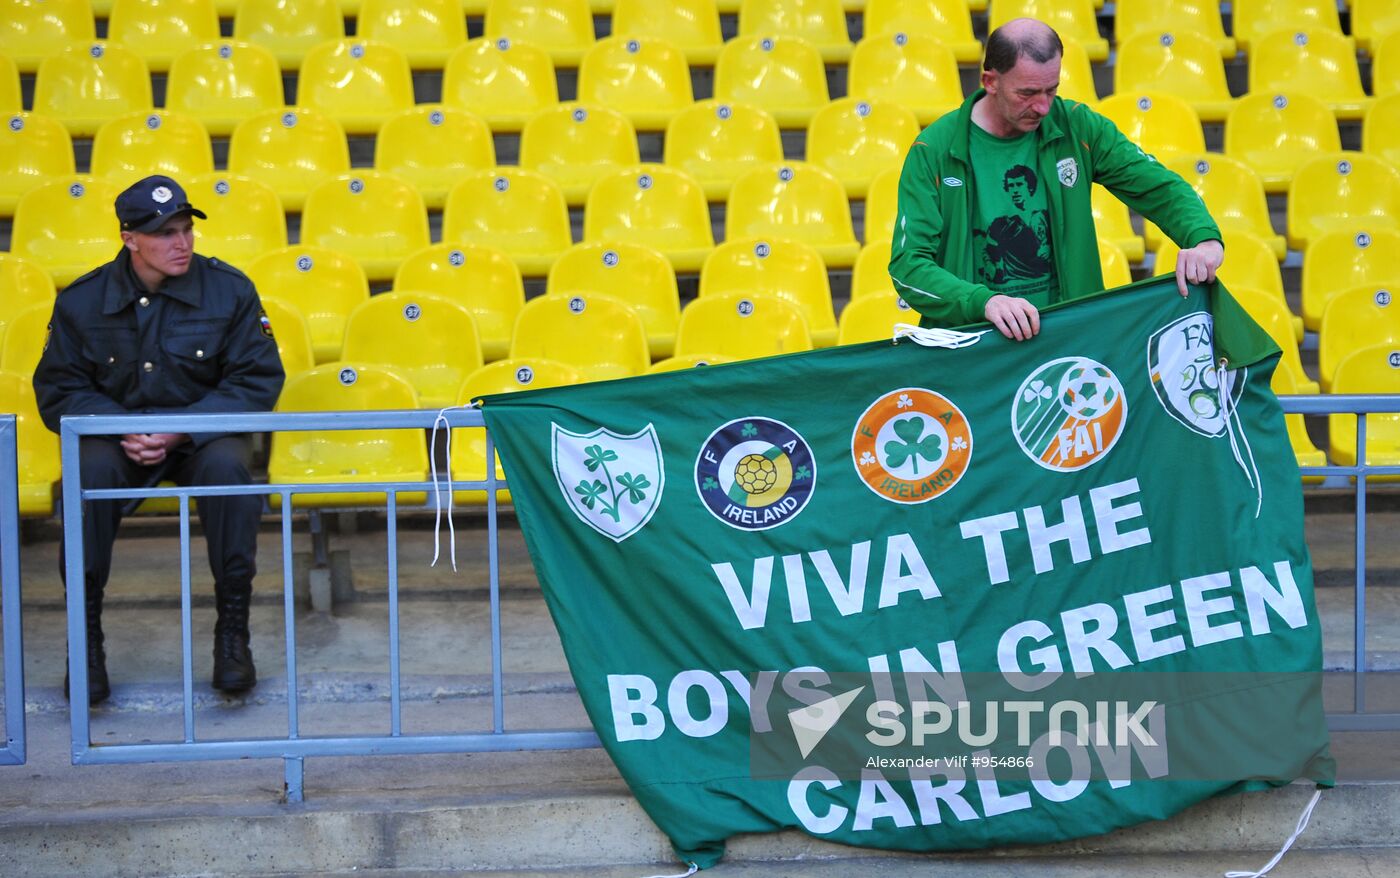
(931,259)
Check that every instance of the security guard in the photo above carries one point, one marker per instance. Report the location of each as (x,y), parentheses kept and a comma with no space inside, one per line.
(163,329)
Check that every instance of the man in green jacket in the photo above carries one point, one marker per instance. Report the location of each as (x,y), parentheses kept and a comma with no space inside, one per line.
(994,201)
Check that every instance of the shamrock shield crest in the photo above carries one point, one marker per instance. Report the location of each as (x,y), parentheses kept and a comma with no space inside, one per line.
(612,482)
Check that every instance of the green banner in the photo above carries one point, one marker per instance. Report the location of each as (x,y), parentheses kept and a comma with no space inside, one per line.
(932,598)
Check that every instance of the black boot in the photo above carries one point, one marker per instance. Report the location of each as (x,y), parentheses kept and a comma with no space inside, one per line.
(233,660)
(99,689)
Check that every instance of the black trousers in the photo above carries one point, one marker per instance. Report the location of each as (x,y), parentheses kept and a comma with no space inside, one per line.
(230,523)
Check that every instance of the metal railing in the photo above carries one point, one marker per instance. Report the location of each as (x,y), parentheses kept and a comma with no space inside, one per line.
(294,748)
(1360,405)
(13,751)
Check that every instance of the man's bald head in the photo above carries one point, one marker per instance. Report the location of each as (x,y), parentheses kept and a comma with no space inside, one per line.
(1021,37)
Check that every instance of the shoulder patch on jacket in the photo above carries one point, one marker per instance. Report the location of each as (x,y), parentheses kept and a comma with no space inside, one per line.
(264,323)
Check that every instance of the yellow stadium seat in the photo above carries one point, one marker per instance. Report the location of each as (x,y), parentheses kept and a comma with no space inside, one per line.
(1369,370)
(88,84)
(154,142)
(948,21)
(503,82)
(426,31)
(360,83)
(520,211)
(632,273)
(659,206)
(245,218)
(914,70)
(433,148)
(782,75)
(1316,62)
(1133,17)
(1357,318)
(221,84)
(717,142)
(36,448)
(575,145)
(778,268)
(690,25)
(482,279)
(855,139)
(345,456)
(601,337)
(293,151)
(794,200)
(290,332)
(11,98)
(872,318)
(31,30)
(871,274)
(689,361)
(1252,20)
(1271,313)
(323,285)
(563,28)
(1338,261)
(820,22)
(882,205)
(1112,223)
(468,459)
(1380,133)
(288,29)
(645,78)
(1113,264)
(26,333)
(1372,21)
(1342,191)
(1307,453)
(1159,123)
(23,285)
(1385,66)
(1077,75)
(1232,192)
(430,340)
(33,150)
(67,226)
(1071,19)
(158,30)
(742,327)
(1181,63)
(1249,263)
(377,218)
(1275,134)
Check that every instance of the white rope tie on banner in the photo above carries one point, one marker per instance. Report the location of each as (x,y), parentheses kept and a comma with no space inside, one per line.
(437,495)
(1229,414)
(693,869)
(937,338)
(1302,825)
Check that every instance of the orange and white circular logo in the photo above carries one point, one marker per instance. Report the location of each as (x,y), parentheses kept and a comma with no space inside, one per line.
(911,445)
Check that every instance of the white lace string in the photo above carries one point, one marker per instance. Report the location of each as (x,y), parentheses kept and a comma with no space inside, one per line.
(693,869)
(437,495)
(1302,825)
(937,338)
(1228,412)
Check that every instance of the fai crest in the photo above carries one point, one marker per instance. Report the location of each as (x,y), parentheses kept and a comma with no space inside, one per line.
(1068,169)
(1069,413)
(1188,383)
(613,483)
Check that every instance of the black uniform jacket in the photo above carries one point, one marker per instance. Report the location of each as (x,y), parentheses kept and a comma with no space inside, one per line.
(200,344)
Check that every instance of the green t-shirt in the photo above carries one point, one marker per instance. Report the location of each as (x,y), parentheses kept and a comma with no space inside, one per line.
(1011,221)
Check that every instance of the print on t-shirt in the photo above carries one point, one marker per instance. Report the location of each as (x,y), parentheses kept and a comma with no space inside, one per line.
(1011,240)
(1016,245)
